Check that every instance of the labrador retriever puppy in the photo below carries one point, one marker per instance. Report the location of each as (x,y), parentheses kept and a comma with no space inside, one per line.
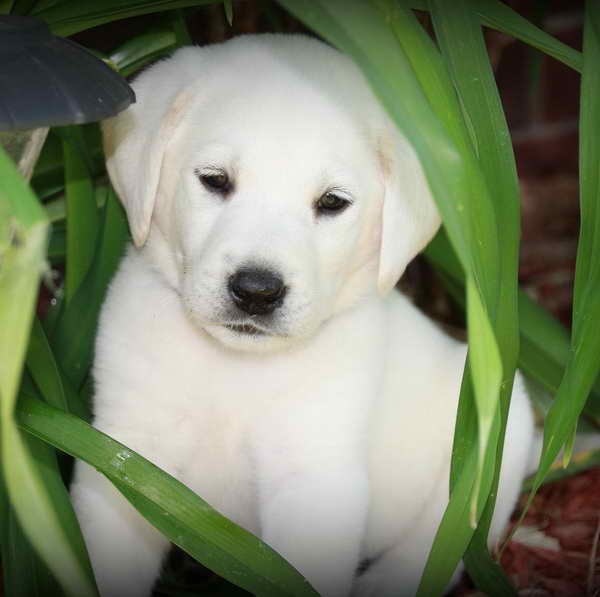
(251,343)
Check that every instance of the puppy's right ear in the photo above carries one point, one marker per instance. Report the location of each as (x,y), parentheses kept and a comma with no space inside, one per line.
(410,217)
(135,142)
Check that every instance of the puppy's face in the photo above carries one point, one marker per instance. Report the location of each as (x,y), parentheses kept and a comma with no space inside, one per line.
(273,214)
(269,186)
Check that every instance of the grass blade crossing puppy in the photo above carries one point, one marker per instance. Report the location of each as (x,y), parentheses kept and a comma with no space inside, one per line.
(251,344)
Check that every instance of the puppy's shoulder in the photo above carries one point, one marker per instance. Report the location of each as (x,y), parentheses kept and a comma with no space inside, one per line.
(139,304)
(419,348)
(416,326)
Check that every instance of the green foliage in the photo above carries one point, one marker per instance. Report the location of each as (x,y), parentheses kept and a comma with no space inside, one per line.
(66,18)
(443,97)
(582,364)
(38,497)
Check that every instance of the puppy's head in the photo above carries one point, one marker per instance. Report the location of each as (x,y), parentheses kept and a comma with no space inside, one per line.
(268,186)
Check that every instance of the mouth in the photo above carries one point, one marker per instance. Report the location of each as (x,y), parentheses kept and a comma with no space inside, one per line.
(244,328)
(246,336)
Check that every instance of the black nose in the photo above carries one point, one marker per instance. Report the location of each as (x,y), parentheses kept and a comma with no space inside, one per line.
(256,291)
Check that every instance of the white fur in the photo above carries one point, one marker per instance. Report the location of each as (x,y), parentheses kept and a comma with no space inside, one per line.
(329,436)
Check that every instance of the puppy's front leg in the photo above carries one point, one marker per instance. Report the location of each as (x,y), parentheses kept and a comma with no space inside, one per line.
(316,521)
(125,550)
(313,488)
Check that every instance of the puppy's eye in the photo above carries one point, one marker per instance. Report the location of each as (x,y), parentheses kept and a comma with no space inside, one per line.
(215,181)
(331,204)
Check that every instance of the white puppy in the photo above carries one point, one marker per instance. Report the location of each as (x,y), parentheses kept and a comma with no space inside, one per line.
(250,344)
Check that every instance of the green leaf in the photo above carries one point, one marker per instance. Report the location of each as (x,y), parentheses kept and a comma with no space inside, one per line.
(29,466)
(22,7)
(43,368)
(42,504)
(67,18)
(500,16)
(486,374)
(544,341)
(440,92)
(44,4)
(56,210)
(73,337)
(474,81)
(82,213)
(580,462)
(584,363)
(179,27)
(48,176)
(52,384)
(180,514)
(139,50)
(23,571)
(228,7)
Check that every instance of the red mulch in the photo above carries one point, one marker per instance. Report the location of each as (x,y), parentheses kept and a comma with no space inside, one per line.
(568,511)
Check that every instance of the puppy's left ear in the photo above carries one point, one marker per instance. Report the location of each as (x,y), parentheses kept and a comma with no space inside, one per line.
(410,217)
(135,143)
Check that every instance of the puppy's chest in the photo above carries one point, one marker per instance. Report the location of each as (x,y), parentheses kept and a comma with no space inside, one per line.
(219,430)
(221,464)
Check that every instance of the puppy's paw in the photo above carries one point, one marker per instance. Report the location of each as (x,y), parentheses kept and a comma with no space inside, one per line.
(380,580)
(394,574)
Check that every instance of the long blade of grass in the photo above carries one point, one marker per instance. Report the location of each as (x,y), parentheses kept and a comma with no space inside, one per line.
(451,532)
(474,80)
(43,369)
(82,213)
(179,27)
(544,341)
(67,18)
(23,572)
(432,76)
(179,513)
(584,362)
(57,246)
(56,210)
(51,525)
(49,177)
(228,7)
(486,372)
(57,252)
(27,464)
(500,16)
(43,4)
(55,389)
(582,461)
(49,379)
(139,50)
(73,336)
(22,6)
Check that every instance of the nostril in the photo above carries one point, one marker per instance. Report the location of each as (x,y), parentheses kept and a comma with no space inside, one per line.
(256,283)
(256,290)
